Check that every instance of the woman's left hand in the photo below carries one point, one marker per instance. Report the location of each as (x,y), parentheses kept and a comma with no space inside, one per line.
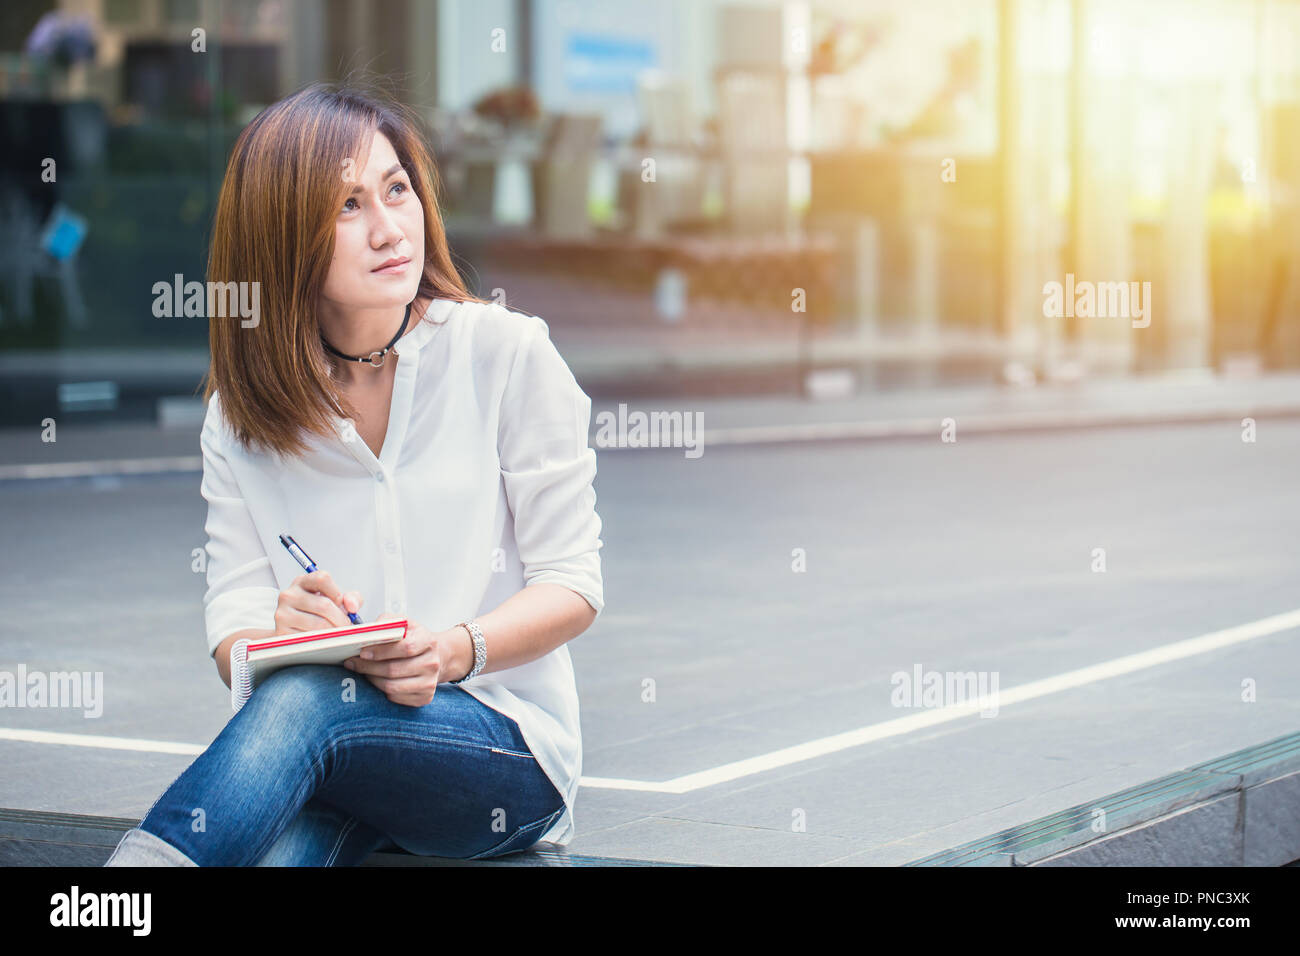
(407,671)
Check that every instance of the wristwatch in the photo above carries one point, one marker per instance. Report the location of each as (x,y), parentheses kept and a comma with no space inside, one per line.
(480,650)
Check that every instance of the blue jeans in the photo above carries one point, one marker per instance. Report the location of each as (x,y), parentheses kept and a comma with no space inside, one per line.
(304,776)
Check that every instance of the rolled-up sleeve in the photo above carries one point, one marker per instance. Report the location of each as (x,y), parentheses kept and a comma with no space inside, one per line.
(242,590)
(548,468)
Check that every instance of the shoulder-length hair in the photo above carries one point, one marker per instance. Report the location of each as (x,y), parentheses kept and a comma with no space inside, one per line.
(274,225)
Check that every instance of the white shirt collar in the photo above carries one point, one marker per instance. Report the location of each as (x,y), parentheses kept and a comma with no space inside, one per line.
(425,326)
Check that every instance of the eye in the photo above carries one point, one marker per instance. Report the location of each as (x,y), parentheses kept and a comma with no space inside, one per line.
(397,185)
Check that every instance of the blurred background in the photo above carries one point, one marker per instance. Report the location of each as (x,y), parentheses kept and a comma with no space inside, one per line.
(700,197)
(833,232)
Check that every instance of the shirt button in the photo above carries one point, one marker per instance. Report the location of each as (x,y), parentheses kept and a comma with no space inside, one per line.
(396,606)
(379,476)
(390,547)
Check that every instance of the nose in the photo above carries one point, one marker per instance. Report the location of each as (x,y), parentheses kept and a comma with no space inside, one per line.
(386,231)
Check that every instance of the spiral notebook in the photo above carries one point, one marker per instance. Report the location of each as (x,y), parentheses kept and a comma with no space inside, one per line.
(251,662)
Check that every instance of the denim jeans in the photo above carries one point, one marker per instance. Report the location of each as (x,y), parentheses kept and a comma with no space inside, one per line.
(304,776)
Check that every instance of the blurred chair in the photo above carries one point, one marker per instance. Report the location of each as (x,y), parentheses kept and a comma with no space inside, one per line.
(677,192)
(562,175)
(753,87)
(752,119)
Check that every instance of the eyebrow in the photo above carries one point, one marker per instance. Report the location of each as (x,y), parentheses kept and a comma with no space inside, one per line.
(394,168)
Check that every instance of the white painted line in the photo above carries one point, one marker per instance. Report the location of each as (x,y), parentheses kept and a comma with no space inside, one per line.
(617,783)
(1178,650)
(99,742)
(107,466)
(939,715)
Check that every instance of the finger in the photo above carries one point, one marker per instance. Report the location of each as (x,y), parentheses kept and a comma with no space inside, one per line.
(409,691)
(322,607)
(411,686)
(352,601)
(393,668)
(322,583)
(394,650)
(290,618)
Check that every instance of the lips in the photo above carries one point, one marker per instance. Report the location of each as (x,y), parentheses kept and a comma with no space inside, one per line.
(392,265)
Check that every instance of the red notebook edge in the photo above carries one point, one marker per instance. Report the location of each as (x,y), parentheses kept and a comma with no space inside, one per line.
(326,635)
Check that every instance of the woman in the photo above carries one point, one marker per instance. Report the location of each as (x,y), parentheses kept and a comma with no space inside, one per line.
(429,451)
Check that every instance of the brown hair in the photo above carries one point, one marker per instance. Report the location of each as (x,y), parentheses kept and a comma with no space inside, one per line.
(274,225)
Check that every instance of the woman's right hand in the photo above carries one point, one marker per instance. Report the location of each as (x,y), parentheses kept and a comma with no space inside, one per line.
(314,602)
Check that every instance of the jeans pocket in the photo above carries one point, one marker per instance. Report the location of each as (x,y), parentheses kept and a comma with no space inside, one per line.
(512,753)
(522,838)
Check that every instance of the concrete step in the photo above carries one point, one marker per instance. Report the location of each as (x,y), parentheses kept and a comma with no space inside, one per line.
(1235,810)
(46,838)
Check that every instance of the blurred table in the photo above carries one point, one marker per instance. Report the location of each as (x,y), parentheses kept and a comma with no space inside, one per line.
(764,271)
(776,273)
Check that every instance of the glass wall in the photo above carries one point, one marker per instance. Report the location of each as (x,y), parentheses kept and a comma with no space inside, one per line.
(659,177)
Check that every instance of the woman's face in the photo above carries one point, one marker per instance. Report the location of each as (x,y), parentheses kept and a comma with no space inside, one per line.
(380,221)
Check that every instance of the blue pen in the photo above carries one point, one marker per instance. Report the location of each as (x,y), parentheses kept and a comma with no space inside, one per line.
(307,563)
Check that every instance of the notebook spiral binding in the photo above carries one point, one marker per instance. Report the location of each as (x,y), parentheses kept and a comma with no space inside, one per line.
(241,675)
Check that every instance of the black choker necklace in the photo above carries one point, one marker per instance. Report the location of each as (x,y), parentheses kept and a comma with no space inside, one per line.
(374,358)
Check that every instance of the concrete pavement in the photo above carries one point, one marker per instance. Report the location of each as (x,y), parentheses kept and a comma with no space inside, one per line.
(773,737)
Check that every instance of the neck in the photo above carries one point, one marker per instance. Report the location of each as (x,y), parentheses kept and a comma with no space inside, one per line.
(362,331)
(355,375)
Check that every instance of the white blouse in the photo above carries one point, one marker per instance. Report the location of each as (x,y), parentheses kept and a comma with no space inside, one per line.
(483,486)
